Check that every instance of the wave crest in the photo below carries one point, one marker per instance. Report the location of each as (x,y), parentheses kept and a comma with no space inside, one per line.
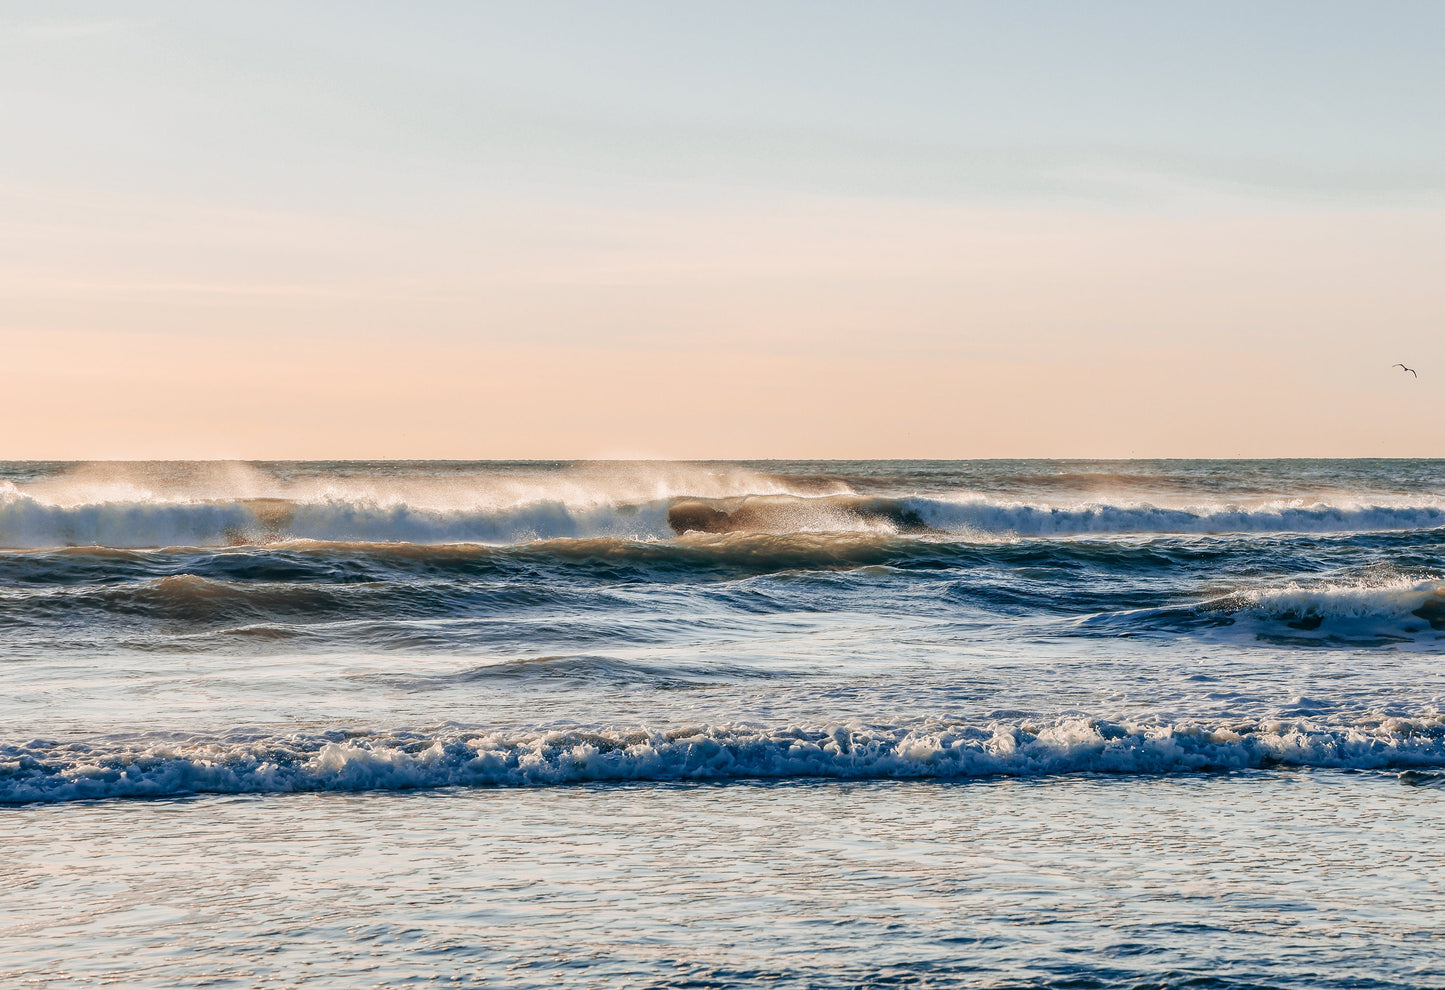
(1362,612)
(26,522)
(456,757)
(1104,519)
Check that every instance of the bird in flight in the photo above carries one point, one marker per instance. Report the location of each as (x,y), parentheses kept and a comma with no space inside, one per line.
(1403,368)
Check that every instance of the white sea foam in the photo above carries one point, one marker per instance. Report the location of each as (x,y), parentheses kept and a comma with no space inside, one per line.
(1102,519)
(1362,599)
(1380,610)
(27,522)
(218,503)
(42,771)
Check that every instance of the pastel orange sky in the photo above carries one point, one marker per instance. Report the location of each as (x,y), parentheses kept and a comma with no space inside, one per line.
(393,304)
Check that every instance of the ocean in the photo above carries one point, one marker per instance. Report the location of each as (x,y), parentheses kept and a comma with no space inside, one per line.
(1084,724)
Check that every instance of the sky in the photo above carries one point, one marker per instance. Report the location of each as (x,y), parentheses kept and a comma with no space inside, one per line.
(555,230)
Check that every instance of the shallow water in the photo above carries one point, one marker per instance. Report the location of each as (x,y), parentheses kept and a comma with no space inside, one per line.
(1282,879)
(964,723)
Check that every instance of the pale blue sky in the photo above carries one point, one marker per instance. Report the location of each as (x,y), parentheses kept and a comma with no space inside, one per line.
(972,187)
(359,104)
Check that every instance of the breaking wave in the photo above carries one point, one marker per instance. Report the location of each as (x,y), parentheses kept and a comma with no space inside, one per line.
(1106,519)
(1362,613)
(28,522)
(458,757)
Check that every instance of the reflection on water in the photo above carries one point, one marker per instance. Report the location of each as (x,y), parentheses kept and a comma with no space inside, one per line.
(927,660)
(1203,881)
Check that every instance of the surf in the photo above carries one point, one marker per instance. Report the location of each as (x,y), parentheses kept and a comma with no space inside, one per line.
(1364,612)
(26,523)
(46,771)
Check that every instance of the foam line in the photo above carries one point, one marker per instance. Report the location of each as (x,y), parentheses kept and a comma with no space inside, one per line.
(26,522)
(456,757)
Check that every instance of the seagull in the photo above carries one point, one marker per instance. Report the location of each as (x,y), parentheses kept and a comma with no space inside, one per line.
(1403,368)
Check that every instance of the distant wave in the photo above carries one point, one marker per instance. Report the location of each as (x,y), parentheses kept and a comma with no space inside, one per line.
(1102,519)
(977,515)
(26,522)
(456,757)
